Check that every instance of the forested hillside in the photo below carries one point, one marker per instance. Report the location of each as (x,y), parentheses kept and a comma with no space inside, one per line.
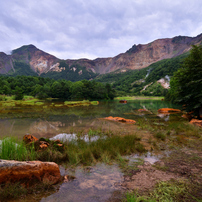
(133,82)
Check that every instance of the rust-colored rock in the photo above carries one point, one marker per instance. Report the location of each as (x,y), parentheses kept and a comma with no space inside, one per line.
(187,116)
(196,122)
(29,138)
(120,119)
(123,101)
(43,144)
(142,110)
(169,110)
(28,172)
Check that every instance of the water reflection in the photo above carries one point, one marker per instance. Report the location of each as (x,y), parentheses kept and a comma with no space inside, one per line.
(92,184)
(73,137)
(52,122)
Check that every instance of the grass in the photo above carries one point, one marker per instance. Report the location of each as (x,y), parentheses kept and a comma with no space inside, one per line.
(11,191)
(160,135)
(169,191)
(14,191)
(29,101)
(11,149)
(105,149)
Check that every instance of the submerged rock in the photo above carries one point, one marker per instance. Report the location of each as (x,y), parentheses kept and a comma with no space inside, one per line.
(169,110)
(27,172)
(120,119)
(196,122)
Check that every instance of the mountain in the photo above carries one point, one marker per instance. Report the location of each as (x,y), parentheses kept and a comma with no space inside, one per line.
(31,60)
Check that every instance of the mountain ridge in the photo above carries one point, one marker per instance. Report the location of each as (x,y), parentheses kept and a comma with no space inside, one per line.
(137,57)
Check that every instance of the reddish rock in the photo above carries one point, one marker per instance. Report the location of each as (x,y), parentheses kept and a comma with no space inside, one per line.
(169,110)
(123,101)
(142,110)
(43,144)
(120,119)
(196,122)
(187,116)
(28,172)
(29,138)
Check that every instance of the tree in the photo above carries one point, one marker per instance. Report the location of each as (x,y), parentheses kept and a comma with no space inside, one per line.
(186,84)
(18,93)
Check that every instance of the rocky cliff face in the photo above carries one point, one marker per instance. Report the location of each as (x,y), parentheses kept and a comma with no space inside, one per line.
(138,57)
(38,60)
(141,56)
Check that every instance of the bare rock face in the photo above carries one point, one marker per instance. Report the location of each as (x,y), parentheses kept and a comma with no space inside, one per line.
(141,56)
(29,172)
(39,61)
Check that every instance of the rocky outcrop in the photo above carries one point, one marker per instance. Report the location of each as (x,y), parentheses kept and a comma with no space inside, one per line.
(120,119)
(29,172)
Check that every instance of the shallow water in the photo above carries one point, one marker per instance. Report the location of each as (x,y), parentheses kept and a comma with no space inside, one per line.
(91,184)
(71,120)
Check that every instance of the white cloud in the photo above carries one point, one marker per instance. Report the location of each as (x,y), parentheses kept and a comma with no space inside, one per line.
(78,28)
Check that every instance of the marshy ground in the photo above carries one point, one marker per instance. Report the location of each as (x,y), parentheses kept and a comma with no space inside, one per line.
(157,159)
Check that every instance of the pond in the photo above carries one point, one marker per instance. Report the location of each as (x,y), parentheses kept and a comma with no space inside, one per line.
(96,183)
(42,123)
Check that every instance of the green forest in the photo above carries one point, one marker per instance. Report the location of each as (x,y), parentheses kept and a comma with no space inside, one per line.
(45,87)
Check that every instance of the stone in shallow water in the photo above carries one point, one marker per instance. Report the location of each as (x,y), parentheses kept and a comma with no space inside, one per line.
(168,110)
(196,122)
(120,119)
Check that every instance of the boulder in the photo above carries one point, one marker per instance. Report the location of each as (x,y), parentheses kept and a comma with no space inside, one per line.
(169,110)
(120,119)
(28,172)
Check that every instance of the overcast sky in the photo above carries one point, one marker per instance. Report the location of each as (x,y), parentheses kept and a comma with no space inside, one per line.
(94,28)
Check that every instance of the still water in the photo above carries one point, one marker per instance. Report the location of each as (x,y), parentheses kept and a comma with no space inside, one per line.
(71,120)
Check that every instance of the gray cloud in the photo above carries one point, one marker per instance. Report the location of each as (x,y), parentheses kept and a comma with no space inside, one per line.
(78,28)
